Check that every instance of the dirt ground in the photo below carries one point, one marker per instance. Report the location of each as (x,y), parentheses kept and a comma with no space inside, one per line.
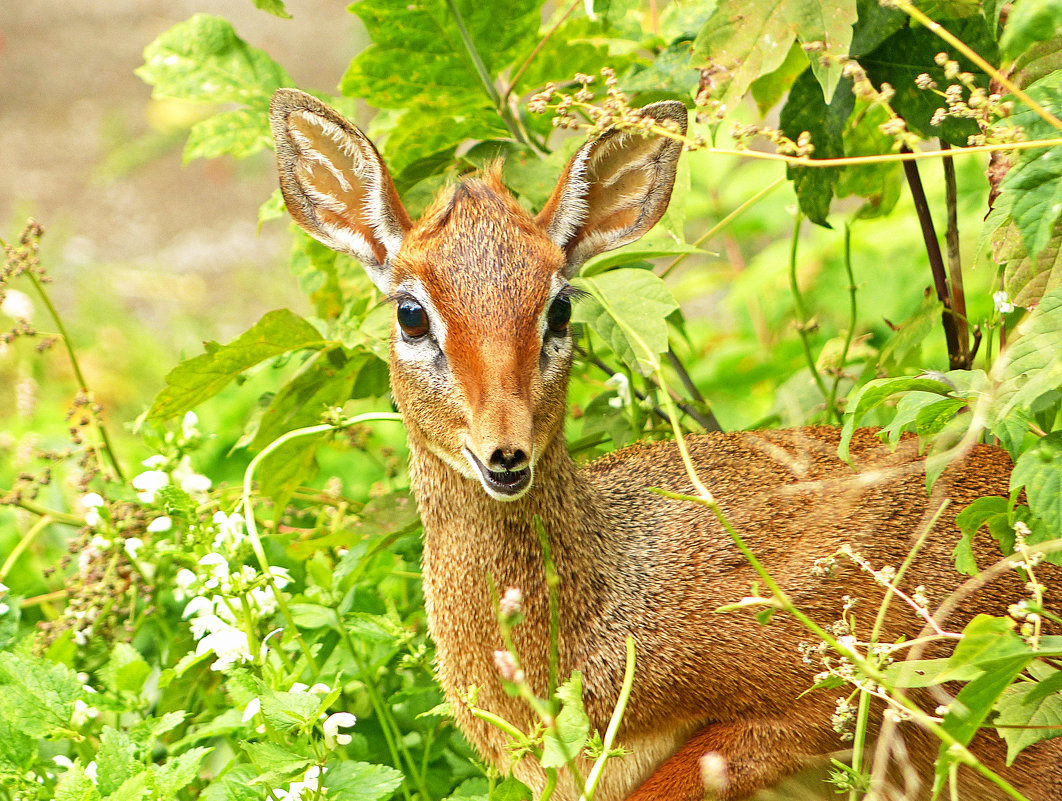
(85,150)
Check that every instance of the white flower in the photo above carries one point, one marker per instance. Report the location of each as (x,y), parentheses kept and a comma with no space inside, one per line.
(207,624)
(150,482)
(90,771)
(1002,302)
(228,644)
(252,709)
(220,572)
(62,761)
(198,605)
(92,518)
(185,578)
(81,636)
(17,305)
(299,687)
(622,385)
(230,529)
(281,576)
(93,499)
(188,425)
(320,689)
(134,544)
(332,725)
(3,588)
(160,524)
(82,714)
(189,480)
(158,460)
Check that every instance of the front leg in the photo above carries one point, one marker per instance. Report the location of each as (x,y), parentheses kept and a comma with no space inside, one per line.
(745,756)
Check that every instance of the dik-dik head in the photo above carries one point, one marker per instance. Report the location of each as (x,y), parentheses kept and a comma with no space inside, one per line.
(481,344)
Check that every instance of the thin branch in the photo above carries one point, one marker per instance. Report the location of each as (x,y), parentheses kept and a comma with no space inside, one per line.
(951,236)
(936,263)
(707,421)
(798,300)
(831,400)
(541,42)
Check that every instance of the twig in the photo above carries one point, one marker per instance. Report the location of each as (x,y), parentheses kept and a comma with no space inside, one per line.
(527,62)
(936,263)
(798,301)
(707,421)
(951,236)
(832,399)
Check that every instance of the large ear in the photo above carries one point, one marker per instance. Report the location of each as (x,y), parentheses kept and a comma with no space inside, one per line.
(335,184)
(614,189)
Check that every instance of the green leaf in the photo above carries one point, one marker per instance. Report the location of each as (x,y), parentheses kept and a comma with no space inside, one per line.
(234,785)
(805,110)
(912,332)
(269,756)
(768,89)
(289,711)
(126,670)
(1030,367)
(573,726)
(1024,707)
(1039,470)
(18,750)
(975,701)
(928,672)
(628,309)
(194,380)
(993,511)
(360,781)
(75,785)
(986,642)
(314,616)
(422,133)
(274,7)
(744,39)
(176,774)
(37,695)
(1029,22)
(1037,187)
(116,760)
(419,60)
(874,393)
(203,60)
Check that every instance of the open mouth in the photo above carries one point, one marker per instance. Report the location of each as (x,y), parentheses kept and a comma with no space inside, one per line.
(504,485)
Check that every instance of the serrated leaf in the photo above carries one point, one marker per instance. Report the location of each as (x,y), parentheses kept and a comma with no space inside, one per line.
(313,616)
(234,785)
(360,781)
(1023,707)
(768,89)
(196,379)
(1029,22)
(126,670)
(422,133)
(628,309)
(670,71)
(274,7)
(874,393)
(567,742)
(177,773)
(270,756)
(1039,470)
(1037,187)
(202,59)
(18,750)
(239,133)
(75,785)
(116,760)
(1030,366)
(418,58)
(37,695)
(289,711)
(744,39)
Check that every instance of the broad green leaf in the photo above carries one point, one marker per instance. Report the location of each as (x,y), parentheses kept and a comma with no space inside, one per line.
(177,773)
(1039,470)
(879,184)
(234,785)
(126,671)
(932,417)
(313,616)
(360,781)
(986,642)
(744,39)
(1037,187)
(768,89)
(75,785)
(289,466)
(419,60)
(670,71)
(1030,365)
(289,711)
(993,511)
(805,110)
(274,7)
(928,672)
(975,701)
(874,393)
(421,133)
(37,695)
(1025,278)
(270,756)
(1028,23)
(203,60)
(912,332)
(628,308)
(573,726)
(1021,709)
(18,750)
(116,760)
(194,380)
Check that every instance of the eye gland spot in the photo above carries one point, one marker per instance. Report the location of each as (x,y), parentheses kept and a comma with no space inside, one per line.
(559,315)
(412,319)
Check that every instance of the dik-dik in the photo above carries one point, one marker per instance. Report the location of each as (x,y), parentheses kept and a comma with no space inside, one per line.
(481,348)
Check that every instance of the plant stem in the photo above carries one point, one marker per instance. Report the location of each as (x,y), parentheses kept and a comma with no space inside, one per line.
(936,263)
(23,543)
(951,236)
(613,724)
(37,509)
(831,401)
(723,223)
(500,107)
(552,583)
(707,420)
(82,383)
(798,301)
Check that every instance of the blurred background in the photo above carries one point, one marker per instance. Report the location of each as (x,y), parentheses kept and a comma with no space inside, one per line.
(148,256)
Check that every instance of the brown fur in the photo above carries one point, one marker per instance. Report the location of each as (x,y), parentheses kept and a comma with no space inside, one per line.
(632,562)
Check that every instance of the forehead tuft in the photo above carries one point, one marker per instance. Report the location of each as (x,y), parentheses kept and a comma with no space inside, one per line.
(476,250)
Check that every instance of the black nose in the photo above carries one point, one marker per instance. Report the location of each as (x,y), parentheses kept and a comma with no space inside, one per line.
(507,459)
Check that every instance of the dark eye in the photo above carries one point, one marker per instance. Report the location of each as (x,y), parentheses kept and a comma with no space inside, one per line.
(560,312)
(412,318)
